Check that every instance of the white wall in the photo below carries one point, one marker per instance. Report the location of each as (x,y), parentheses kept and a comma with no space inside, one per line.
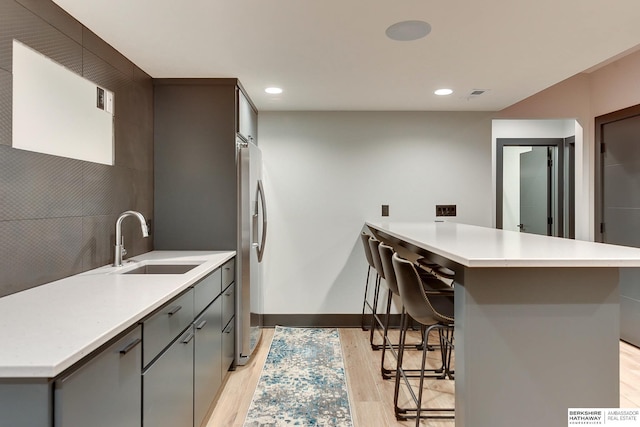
(328,172)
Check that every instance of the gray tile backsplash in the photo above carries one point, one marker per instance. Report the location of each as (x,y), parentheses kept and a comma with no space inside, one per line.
(57,215)
(37,186)
(5,107)
(39,251)
(17,22)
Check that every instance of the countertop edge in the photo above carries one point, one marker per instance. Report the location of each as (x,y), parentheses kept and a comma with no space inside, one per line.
(446,239)
(45,371)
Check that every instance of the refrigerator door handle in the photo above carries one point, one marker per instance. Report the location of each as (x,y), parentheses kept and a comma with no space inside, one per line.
(263,239)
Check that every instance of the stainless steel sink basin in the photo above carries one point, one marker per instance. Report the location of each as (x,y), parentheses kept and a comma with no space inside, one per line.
(162,269)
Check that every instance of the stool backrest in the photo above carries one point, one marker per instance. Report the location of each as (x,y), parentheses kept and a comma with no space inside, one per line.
(386,254)
(425,306)
(367,249)
(375,254)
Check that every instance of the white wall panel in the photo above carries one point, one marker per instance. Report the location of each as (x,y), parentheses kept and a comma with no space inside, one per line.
(328,172)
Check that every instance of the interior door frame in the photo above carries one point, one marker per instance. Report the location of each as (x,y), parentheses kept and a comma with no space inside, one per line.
(600,122)
(570,204)
(559,143)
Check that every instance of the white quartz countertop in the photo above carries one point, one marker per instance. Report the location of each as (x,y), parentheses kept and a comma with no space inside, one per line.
(474,246)
(45,330)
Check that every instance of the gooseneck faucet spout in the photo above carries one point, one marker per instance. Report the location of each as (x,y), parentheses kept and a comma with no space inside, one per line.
(120,251)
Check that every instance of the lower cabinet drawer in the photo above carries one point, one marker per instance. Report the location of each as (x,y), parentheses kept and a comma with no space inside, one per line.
(228,345)
(167,386)
(228,303)
(228,273)
(206,290)
(163,326)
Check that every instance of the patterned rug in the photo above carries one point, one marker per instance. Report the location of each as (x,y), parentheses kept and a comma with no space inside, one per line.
(302,382)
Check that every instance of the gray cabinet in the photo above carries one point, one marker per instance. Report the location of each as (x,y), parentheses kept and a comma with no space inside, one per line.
(207,365)
(167,380)
(165,371)
(105,391)
(184,375)
(167,386)
(196,122)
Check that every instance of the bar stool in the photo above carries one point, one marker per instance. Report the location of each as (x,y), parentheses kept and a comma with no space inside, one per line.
(386,255)
(364,237)
(434,308)
(376,322)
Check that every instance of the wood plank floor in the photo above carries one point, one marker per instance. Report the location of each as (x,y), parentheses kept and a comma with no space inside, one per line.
(372,397)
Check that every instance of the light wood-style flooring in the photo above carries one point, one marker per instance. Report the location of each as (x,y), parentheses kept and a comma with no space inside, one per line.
(372,397)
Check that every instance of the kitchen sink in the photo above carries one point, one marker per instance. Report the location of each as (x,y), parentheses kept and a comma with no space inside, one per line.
(162,269)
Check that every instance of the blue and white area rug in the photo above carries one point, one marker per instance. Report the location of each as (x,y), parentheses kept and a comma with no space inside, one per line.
(303,381)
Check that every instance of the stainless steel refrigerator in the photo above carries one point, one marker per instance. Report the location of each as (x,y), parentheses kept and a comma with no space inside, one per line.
(252,235)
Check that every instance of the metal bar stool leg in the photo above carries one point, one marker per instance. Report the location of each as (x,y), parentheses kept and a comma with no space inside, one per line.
(375,320)
(430,411)
(387,342)
(365,301)
(399,412)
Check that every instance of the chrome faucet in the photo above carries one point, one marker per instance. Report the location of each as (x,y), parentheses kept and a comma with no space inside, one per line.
(120,251)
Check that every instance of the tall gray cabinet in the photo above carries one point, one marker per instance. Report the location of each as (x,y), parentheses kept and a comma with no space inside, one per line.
(195,127)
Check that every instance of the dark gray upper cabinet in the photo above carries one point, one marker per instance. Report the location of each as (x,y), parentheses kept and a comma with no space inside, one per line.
(247,118)
(195,126)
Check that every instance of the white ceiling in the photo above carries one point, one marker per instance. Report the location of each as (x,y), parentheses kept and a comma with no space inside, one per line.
(334,55)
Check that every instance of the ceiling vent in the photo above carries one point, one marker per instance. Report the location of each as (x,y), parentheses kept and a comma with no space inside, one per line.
(474,93)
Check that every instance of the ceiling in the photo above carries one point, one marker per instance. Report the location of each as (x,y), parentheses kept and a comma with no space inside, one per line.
(334,54)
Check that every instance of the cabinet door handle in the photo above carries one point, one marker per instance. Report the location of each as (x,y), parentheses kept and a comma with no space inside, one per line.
(228,329)
(201,324)
(128,347)
(188,338)
(174,310)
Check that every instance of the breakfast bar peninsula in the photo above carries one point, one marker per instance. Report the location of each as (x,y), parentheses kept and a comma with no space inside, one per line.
(536,320)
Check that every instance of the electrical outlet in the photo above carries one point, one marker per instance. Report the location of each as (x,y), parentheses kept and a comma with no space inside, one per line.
(445,210)
(385,210)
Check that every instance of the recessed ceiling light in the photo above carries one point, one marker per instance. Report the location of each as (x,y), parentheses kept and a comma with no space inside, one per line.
(273,90)
(408,30)
(443,92)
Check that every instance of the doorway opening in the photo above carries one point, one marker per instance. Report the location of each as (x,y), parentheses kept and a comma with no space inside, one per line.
(535,185)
